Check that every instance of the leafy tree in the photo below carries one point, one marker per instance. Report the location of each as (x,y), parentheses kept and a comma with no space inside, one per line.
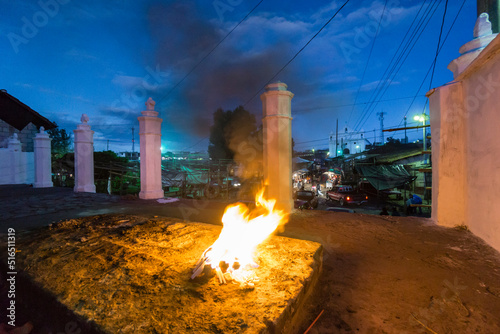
(230,130)
(61,142)
(391,141)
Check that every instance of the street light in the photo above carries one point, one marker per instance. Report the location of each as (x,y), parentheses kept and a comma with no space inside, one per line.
(422,118)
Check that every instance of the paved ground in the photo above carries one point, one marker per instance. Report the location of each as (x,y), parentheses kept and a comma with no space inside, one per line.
(24,207)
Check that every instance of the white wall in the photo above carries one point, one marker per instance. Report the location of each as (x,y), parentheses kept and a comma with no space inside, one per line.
(483,150)
(16,167)
(465,123)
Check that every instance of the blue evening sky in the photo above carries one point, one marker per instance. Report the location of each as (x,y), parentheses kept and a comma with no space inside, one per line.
(105,58)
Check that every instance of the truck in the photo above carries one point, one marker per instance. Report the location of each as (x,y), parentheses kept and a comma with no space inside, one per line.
(346,194)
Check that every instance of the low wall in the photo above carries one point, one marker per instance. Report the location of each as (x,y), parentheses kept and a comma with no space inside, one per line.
(17,167)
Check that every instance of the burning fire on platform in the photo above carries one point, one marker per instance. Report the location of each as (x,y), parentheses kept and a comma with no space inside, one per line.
(232,254)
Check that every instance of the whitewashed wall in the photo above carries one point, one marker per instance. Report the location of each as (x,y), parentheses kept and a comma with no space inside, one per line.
(16,167)
(465,120)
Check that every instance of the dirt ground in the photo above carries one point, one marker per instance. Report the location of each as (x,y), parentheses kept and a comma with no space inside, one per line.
(384,274)
(131,274)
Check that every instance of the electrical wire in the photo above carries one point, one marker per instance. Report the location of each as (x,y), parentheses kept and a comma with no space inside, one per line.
(210,52)
(386,82)
(395,54)
(439,42)
(400,64)
(367,62)
(296,54)
(300,111)
(430,67)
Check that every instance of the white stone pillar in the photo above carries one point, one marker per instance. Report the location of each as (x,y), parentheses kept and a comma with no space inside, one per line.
(43,160)
(482,37)
(84,157)
(277,122)
(14,147)
(150,143)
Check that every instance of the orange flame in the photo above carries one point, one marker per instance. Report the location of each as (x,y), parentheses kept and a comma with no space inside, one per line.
(243,230)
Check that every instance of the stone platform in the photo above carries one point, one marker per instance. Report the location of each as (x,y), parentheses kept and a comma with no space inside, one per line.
(131,274)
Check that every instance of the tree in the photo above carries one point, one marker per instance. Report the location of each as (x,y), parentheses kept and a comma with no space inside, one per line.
(230,130)
(61,142)
(391,141)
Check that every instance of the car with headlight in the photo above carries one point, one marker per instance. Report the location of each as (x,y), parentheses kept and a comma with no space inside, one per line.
(345,195)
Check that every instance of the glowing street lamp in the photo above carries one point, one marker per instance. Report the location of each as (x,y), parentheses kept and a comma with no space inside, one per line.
(422,118)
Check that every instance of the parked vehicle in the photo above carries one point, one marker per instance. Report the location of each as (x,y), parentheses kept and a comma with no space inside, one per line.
(305,199)
(346,195)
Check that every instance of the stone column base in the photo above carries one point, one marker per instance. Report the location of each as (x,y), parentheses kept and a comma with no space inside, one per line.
(90,188)
(43,184)
(286,206)
(151,194)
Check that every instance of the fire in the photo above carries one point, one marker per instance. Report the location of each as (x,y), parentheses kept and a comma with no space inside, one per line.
(232,254)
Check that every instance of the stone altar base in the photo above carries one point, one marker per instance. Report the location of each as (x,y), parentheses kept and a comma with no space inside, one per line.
(130,274)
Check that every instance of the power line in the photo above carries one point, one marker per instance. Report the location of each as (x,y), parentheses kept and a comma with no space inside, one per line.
(295,56)
(400,63)
(187,148)
(386,82)
(394,55)
(368,61)
(349,104)
(439,42)
(430,67)
(210,52)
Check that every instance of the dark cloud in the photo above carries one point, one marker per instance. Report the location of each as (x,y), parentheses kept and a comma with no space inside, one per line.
(227,78)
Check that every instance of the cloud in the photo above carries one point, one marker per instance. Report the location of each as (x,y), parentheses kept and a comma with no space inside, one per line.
(79,54)
(372,85)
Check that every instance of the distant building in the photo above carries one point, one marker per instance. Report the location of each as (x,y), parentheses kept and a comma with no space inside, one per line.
(132,156)
(349,142)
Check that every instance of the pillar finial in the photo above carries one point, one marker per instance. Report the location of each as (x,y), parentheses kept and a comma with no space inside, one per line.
(483,26)
(150,104)
(84,119)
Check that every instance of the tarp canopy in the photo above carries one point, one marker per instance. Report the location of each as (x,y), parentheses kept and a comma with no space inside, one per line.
(301,163)
(175,179)
(336,170)
(299,160)
(384,177)
(195,176)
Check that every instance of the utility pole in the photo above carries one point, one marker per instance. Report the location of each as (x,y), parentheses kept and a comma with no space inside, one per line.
(133,141)
(337,138)
(425,133)
(492,7)
(107,146)
(406,138)
(381,118)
